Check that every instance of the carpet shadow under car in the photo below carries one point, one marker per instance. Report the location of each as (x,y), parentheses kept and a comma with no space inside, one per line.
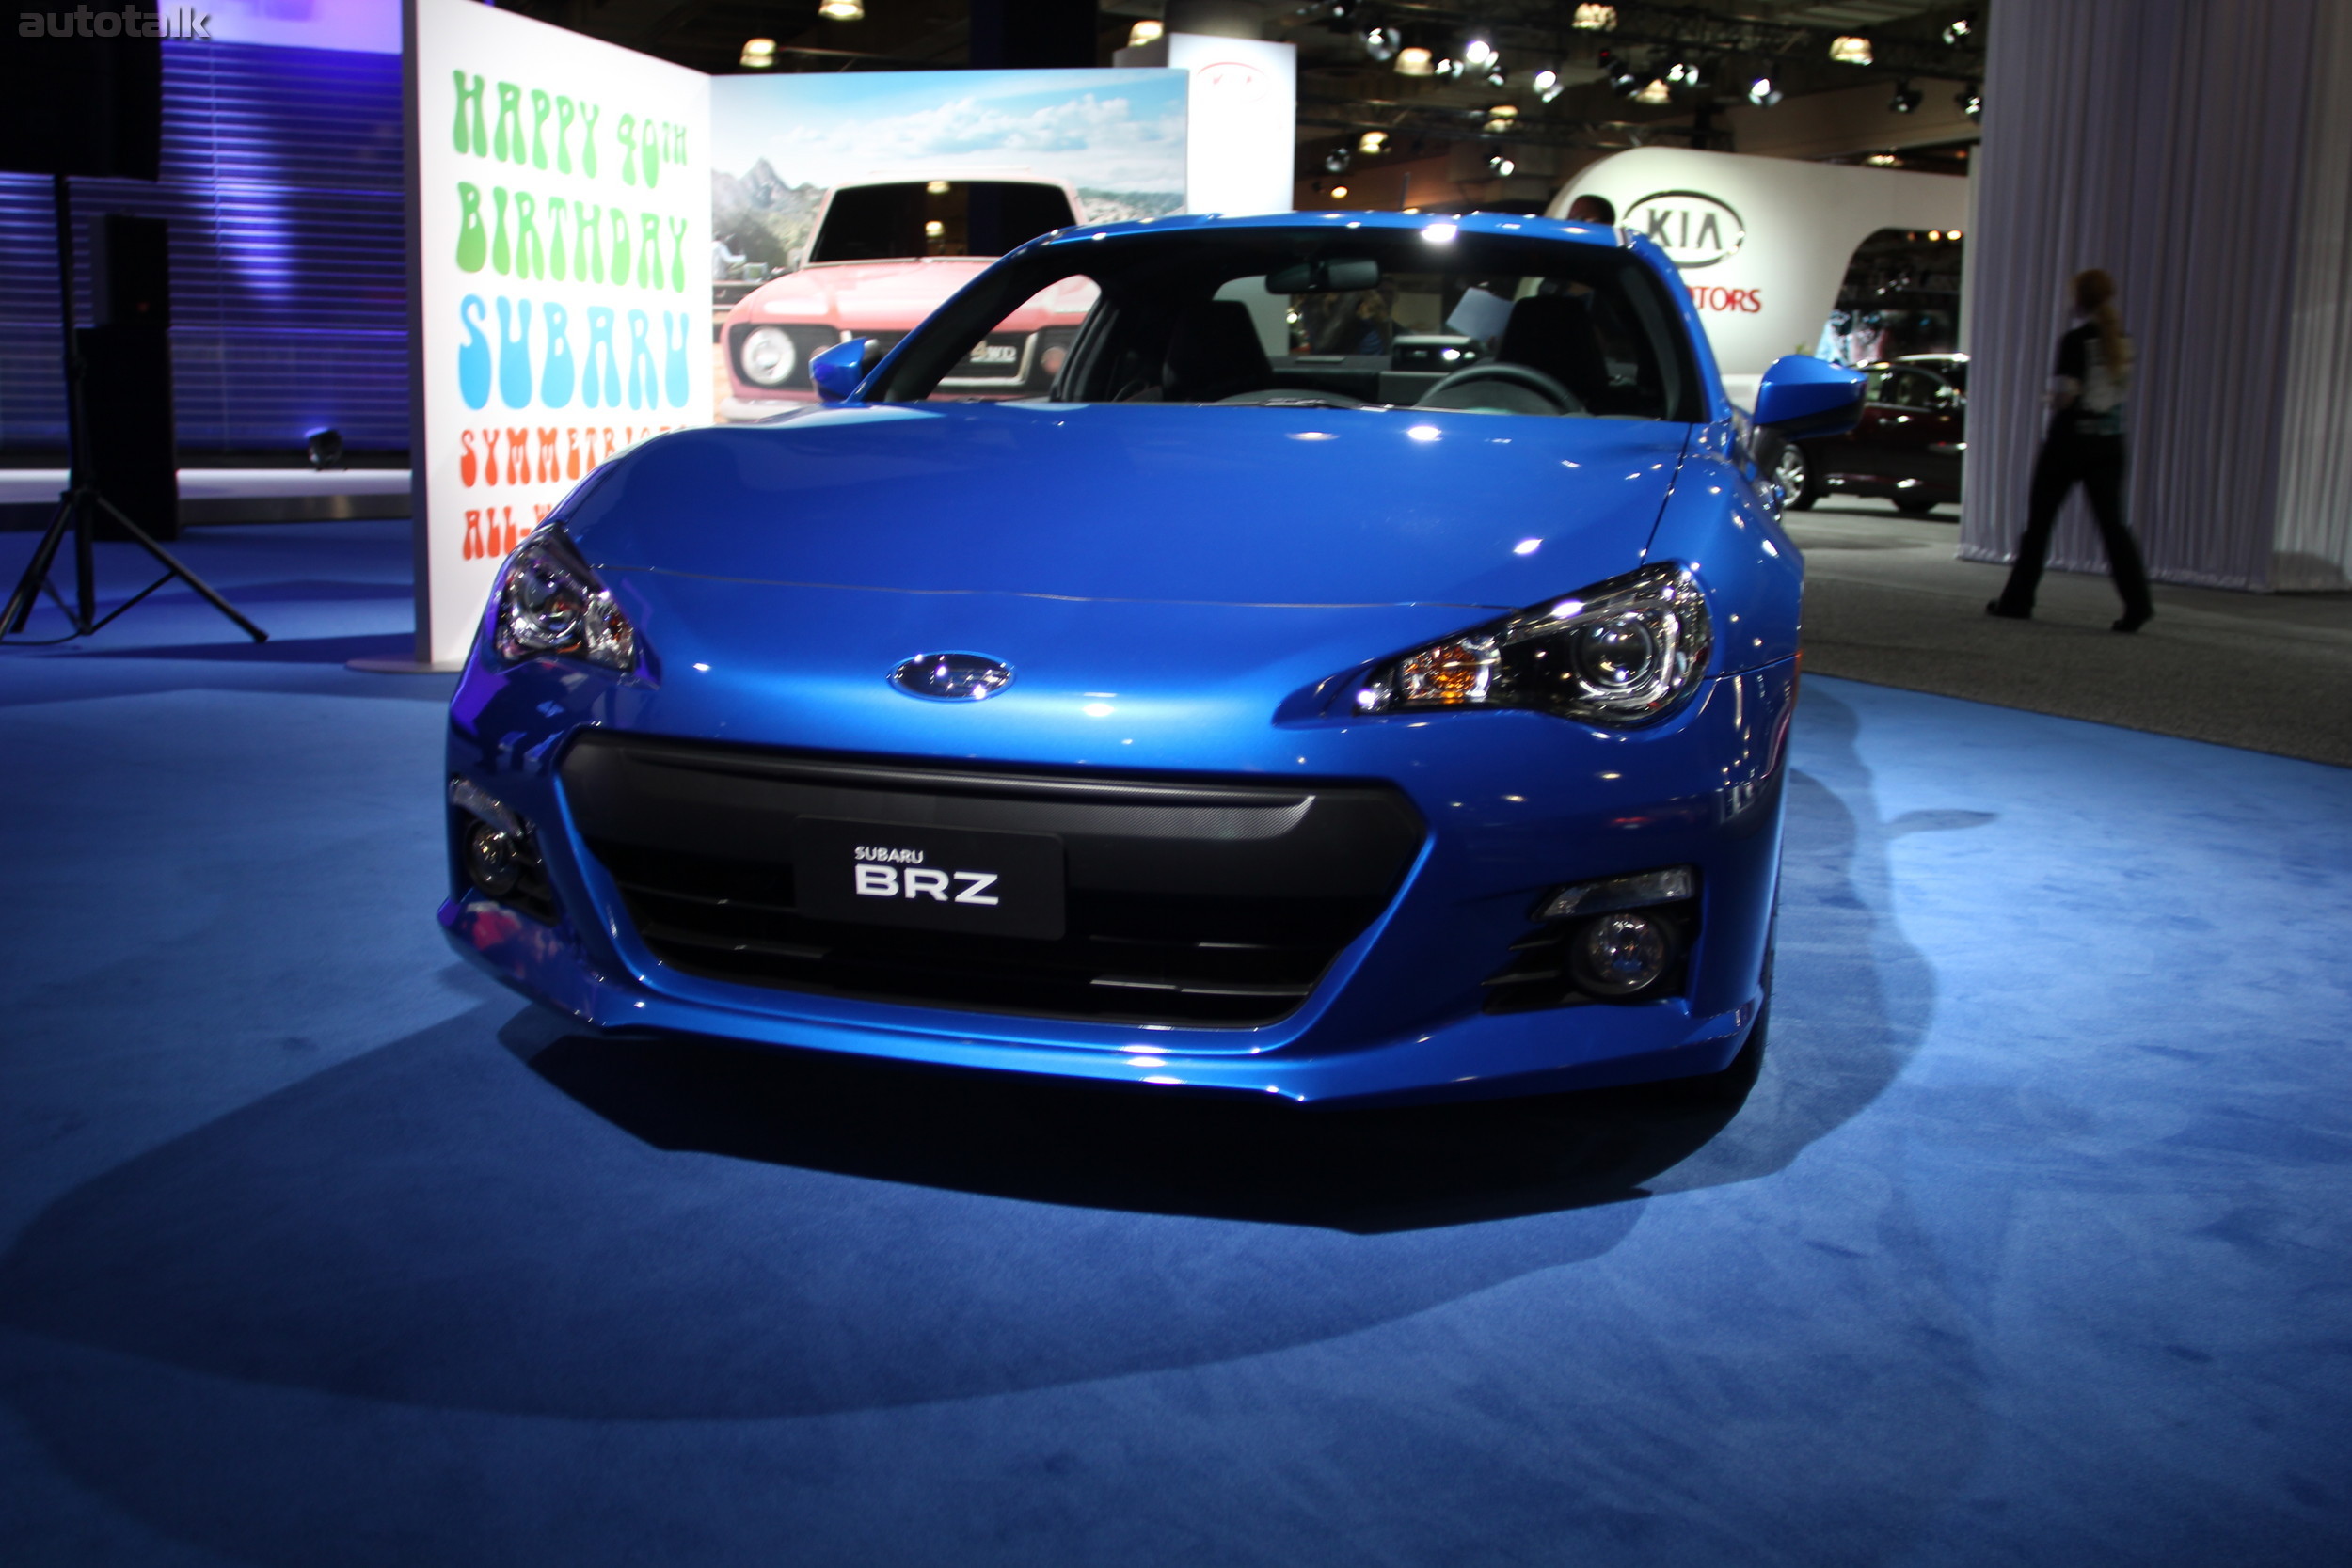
(1129,1147)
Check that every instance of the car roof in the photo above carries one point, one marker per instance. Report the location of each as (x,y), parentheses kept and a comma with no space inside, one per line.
(1463,223)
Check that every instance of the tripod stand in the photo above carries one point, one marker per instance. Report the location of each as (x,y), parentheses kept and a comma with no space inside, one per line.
(79,507)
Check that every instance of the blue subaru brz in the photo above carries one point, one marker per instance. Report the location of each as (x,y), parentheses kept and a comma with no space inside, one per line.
(1365,675)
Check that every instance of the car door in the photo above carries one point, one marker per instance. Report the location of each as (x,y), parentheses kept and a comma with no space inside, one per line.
(1861,456)
(1943,430)
(1906,423)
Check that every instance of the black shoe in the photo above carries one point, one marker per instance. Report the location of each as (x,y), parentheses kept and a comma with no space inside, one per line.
(2135,619)
(1994,607)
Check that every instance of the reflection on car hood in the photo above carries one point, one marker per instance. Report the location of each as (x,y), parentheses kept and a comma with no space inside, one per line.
(1242,505)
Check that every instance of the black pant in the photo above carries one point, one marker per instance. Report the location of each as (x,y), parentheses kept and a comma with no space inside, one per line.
(2096,463)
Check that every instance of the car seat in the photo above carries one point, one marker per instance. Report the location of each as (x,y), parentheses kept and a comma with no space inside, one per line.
(1213,353)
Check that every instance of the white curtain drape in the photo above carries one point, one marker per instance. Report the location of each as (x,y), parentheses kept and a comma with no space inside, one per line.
(2187,147)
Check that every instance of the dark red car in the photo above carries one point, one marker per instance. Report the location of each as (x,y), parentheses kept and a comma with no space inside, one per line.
(1906,450)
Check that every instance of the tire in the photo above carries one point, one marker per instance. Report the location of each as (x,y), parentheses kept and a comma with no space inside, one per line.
(1798,478)
(1914,506)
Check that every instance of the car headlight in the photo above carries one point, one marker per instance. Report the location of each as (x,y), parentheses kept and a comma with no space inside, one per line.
(767,356)
(550,605)
(1620,652)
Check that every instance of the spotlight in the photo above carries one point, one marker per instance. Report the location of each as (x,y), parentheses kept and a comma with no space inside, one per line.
(1339,192)
(1502,117)
(1906,98)
(1849,49)
(1970,100)
(1499,164)
(1548,85)
(1447,68)
(842,10)
(1372,144)
(1595,19)
(1335,161)
(1145,32)
(1624,79)
(1935,236)
(758,55)
(1762,93)
(1679,72)
(1414,63)
(1960,30)
(1380,43)
(1656,91)
(325,447)
(1478,52)
(1883,160)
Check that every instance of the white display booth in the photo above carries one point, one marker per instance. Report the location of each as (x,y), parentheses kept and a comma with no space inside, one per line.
(1763,242)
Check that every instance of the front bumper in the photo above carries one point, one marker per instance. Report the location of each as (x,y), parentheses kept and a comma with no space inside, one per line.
(1511,804)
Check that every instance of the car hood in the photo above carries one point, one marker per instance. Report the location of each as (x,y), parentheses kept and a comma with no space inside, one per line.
(1142,503)
(861,296)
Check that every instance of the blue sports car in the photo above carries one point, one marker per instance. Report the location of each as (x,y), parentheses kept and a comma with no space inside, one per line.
(1235,716)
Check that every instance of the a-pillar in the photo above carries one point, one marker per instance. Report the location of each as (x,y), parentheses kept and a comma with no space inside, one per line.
(2201,152)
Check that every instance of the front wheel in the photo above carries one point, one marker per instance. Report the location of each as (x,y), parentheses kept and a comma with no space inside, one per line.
(1793,470)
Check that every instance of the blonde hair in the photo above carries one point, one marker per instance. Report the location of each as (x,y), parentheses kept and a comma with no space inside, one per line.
(2095,292)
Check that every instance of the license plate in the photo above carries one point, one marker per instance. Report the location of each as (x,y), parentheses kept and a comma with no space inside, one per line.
(935,878)
(993,354)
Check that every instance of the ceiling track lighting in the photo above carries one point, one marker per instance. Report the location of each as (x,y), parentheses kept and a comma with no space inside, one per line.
(1372,144)
(1336,161)
(1762,93)
(1146,31)
(758,55)
(1595,19)
(1499,164)
(1380,43)
(1906,99)
(1960,30)
(1851,49)
(842,10)
(1415,61)
(1970,100)
(1548,85)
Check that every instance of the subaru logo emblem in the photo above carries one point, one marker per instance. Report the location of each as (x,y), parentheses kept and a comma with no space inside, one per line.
(952,677)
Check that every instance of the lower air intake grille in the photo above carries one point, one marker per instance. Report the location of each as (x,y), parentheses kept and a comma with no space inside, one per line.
(1207,904)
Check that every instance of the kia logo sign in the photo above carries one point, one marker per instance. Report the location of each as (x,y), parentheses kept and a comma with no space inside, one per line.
(1695,230)
(1234,80)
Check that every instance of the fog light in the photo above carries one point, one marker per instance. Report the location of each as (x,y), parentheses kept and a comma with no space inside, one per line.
(1620,954)
(494,859)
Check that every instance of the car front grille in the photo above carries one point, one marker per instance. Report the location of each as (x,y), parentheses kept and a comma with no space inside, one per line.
(1199,903)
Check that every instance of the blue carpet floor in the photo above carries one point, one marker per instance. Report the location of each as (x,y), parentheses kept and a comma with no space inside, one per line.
(2032,1243)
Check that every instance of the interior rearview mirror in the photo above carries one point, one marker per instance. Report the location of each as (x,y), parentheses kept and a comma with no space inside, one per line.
(1331,275)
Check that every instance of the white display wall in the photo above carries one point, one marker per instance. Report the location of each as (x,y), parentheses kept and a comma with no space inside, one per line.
(561,243)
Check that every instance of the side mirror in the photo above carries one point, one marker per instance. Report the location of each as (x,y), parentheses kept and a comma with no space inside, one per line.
(838,371)
(1802,396)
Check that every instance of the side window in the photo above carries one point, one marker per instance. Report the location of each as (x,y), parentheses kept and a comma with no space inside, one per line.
(1020,355)
(1908,390)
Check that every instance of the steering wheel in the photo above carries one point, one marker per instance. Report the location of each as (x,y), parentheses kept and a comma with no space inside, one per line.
(1294,397)
(1526,386)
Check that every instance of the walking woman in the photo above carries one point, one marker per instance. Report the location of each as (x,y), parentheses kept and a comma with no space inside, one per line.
(2084,446)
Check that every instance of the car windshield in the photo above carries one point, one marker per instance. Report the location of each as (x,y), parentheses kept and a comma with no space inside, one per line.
(937,217)
(1431,317)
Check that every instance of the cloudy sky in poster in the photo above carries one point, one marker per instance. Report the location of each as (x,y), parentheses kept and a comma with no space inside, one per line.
(1100,130)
